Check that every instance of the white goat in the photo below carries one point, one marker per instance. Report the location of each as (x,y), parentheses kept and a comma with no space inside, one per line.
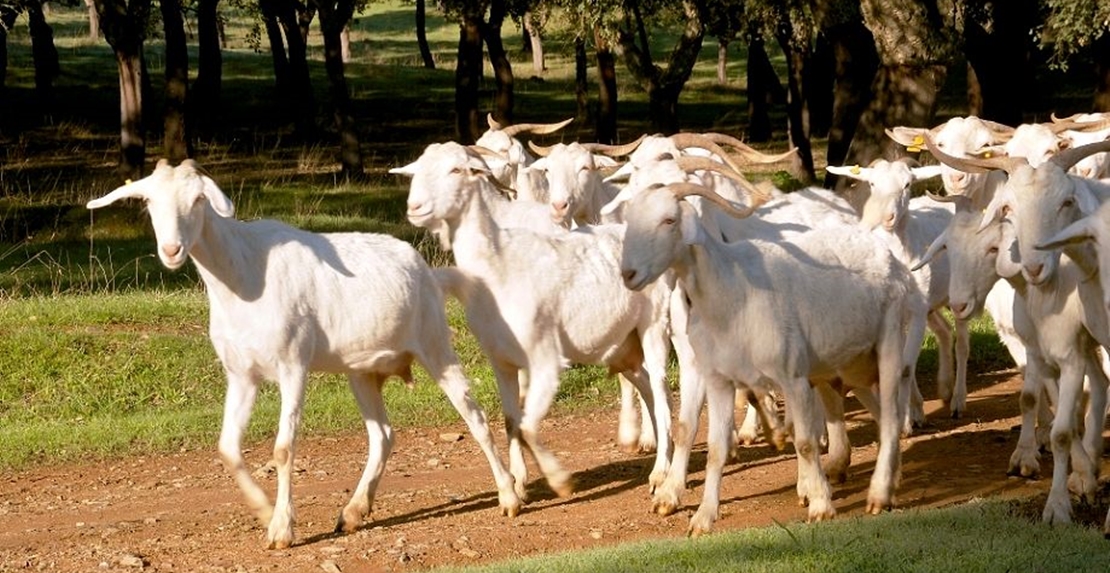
(284,302)
(760,315)
(511,169)
(909,225)
(1084,128)
(537,303)
(1041,202)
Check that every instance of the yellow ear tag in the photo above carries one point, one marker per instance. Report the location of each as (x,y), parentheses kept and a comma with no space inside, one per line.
(987,155)
(127,182)
(855,170)
(918,142)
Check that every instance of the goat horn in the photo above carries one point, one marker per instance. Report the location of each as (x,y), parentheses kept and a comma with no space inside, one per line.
(1067,158)
(1073,123)
(537,128)
(681,190)
(614,150)
(973,164)
(962,202)
(493,123)
(747,152)
(540,150)
(686,139)
(690,163)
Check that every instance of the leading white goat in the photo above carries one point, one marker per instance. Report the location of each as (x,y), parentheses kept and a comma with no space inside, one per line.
(283,302)
(537,303)
(760,315)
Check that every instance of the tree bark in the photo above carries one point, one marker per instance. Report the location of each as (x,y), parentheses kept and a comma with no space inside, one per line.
(535,42)
(45,56)
(820,81)
(722,60)
(7,19)
(94,20)
(468,74)
(422,35)
(855,64)
(285,22)
(502,67)
(581,79)
(175,140)
(913,44)
(124,25)
(606,129)
(662,86)
(270,22)
(1101,100)
(334,17)
(763,83)
(205,96)
(797,107)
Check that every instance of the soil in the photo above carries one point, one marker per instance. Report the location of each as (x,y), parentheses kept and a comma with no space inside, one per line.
(437,504)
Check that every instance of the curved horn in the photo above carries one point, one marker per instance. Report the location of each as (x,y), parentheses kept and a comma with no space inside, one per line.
(614,150)
(493,123)
(537,128)
(541,150)
(1001,132)
(681,190)
(1073,123)
(690,163)
(973,164)
(962,202)
(1069,157)
(686,139)
(747,152)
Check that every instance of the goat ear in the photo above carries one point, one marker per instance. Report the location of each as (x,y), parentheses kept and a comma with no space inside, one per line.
(602,161)
(935,248)
(216,198)
(853,171)
(1074,234)
(622,197)
(996,209)
(129,190)
(1085,199)
(927,172)
(409,169)
(693,233)
(621,174)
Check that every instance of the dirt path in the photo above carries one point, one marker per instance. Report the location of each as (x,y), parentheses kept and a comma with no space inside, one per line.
(437,504)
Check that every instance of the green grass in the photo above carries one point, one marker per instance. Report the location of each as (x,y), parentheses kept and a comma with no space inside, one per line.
(977,537)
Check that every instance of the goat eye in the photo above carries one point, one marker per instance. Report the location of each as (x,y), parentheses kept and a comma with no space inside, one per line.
(668,221)
(992,251)
(1068,203)
(456,171)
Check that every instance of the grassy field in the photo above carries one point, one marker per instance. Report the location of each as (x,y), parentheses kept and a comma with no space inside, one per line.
(102,351)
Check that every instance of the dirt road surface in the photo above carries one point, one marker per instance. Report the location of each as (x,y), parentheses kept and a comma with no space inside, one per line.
(437,504)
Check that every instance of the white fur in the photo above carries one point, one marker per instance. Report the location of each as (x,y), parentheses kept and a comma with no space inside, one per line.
(284,302)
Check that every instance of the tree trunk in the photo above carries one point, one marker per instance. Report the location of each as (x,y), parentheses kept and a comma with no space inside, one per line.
(124,27)
(468,73)
(175,140)
(606,91)
(294,19)
(763,83)
(581,79)
(270,21)
(912,45)
(45,56)
(974,93)
(7,19)
(334,17)
(662,86)
(722,60)
(94,20)
(1000,58)
(345,44)
(855,61)
(819,87)
(797,108)
(502,68)
(422,35)
(534,43)
(132,135)
(1101,99)
(205,96)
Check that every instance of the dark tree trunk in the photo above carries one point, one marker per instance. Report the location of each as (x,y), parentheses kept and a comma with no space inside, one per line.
(45,56)
(606,91)
(797,108)
(175,140)
(974,93)
(502,68)
(422,35)
(468,74)
(1101,100)
(819,87)
(7,19)
(855,62)
(581,78)
(205,96)
(124,28)
(293,18)
(762,85)
(270,21)
(913,46)
(1000,59)
(334,17)
(662,86)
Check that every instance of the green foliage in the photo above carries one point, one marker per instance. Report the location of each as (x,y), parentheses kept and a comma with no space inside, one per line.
(1071,27)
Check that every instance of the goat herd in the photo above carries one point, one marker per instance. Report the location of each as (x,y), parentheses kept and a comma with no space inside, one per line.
(567,255)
